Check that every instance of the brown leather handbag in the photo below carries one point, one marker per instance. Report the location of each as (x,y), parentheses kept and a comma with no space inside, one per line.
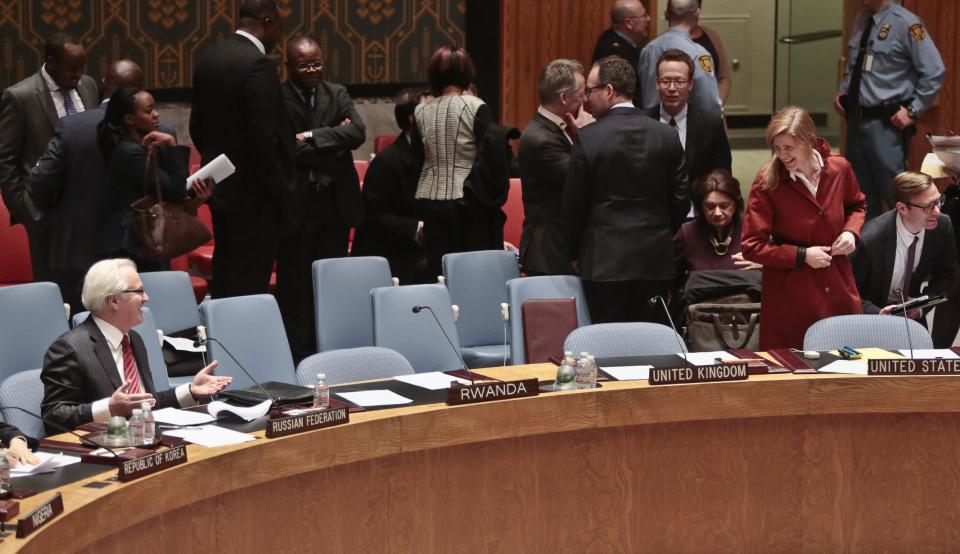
(165,230)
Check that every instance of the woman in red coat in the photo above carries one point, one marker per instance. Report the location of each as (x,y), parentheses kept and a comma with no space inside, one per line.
(802,220)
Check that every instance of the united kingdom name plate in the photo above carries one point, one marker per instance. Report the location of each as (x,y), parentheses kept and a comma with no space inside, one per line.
(699,374)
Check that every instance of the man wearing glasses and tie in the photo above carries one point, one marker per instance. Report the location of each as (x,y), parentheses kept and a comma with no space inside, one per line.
(99,368)
(29,113)
(904,247)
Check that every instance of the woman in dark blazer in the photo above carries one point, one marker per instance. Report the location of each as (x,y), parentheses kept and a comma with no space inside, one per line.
(130,130)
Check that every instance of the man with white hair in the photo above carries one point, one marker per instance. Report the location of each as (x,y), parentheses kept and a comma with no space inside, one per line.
(682,15)
(99,369)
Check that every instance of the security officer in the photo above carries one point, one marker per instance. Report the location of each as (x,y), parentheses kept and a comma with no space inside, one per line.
(894,72)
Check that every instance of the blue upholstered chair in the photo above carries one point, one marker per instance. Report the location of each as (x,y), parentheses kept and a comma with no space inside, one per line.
(353,364)
(611,340)
(251,329)
(172,301)
(866,331)
(416,335)
(24,390)
(541,287)
(341,294)
(477,282)
(32,316)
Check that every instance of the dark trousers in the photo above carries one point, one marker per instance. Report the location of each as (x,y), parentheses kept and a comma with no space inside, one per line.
(70,282)
(624,301)
(295,282)
(946,319)
(39,235)
(442,232)
(246,248)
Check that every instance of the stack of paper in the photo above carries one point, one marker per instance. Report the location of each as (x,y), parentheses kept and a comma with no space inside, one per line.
(174,416)
(210,436)
(371,398)
(433,380)
(48,462)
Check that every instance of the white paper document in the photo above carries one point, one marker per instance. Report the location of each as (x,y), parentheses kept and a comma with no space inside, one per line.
(48,463)
(211,436)
(184,345)
(921,353)
(219,168)
(853,367)
(709,358)
(248,413)
(370,398)
(628,372)
(175,416)
(433,380)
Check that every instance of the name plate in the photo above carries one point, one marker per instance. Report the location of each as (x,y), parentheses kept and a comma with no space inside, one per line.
(291,425)
(41,516)
(927,366)
(151,463)
(700,374)
(485,392)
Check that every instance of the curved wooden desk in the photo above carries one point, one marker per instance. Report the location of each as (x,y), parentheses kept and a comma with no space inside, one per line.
(776,463)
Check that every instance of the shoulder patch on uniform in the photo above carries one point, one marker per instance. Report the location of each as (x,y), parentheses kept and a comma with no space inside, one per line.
(706,63)
(884,31)
(918,32)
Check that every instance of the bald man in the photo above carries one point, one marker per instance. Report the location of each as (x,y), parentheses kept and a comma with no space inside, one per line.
(68,182)
(628,33)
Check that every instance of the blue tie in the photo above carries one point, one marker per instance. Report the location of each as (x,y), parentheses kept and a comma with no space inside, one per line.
(68,101)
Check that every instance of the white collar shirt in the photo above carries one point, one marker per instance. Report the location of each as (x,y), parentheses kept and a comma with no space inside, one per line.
(680,119)
(555,119)
(256,42)
(904,239)
(811,186)
(57,95)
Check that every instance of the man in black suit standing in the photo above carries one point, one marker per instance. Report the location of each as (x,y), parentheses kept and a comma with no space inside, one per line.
(624,198)
(544,154)
(29,112)
(69,183)
(99,368)
(238,111)
(904,247)
(702,134)
(328,128)
(392,227)
(629,28)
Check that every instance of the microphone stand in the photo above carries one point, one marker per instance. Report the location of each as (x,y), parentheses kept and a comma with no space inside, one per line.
(683,349)
(417,310)
(906,325)
(274,403)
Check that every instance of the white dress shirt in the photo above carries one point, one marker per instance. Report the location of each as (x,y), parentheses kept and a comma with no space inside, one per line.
(101,408)
(680,119)
(58,96)
(557,120)
(811,186)
(904,239)
(256,42)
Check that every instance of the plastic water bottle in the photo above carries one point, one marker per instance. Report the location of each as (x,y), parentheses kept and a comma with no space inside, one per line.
(135,427)
(149,425)
(582,377)
(4,474)
(321,392)
(566,372)
(593,371)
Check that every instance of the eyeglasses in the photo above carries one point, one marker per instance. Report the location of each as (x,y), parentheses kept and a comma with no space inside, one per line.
(310,66)
(939,202)
(139,292)
(588,90)
(671,83)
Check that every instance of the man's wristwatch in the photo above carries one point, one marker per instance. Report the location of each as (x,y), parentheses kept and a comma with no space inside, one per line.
(911,112)
(307,135)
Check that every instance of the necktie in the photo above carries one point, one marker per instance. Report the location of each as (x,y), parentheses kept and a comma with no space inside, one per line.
(68,101)
(673,123)
(853,93)
(130,366)
(908,270)
(312,99)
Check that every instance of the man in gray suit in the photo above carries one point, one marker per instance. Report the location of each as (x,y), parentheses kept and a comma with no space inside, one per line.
(99,369)
(29,112)
(68,183)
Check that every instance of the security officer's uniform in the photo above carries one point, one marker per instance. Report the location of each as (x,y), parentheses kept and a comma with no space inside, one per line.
(704,94)
(896,65)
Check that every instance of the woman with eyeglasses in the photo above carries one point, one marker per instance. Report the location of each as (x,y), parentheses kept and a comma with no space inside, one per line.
(129,131)
(803,219)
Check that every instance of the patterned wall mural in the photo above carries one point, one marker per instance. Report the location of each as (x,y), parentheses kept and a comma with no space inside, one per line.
(364,41)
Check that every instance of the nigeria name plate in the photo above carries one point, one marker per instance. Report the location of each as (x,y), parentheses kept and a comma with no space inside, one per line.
(699,374)
(300,423)
(485,392)
(41,516)
(931,366)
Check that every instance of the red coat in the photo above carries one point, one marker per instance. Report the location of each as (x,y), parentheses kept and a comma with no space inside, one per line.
(795,297)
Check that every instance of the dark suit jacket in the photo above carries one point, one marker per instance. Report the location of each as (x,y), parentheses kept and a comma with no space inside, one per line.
(390,226)
(610,43)
(877,250)
(544,158)
(9,432)
(78,370)
(28,118)
(238,111)
(707,146)
(325,161)
(624,198)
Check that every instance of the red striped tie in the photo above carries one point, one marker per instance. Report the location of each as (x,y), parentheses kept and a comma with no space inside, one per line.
(130,366)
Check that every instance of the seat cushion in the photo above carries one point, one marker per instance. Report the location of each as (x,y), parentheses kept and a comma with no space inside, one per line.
(485,356)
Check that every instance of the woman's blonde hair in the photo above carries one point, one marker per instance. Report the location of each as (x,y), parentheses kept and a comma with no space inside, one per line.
(795,122)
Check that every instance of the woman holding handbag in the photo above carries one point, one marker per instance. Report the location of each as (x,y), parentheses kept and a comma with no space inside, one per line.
(144,166)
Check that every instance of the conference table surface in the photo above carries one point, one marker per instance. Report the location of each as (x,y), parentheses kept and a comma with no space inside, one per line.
(784,462)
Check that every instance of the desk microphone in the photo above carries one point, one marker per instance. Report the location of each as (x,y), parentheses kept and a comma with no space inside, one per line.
(418,309)
(203,339)
(63,429)
(906,324)
(683,349)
